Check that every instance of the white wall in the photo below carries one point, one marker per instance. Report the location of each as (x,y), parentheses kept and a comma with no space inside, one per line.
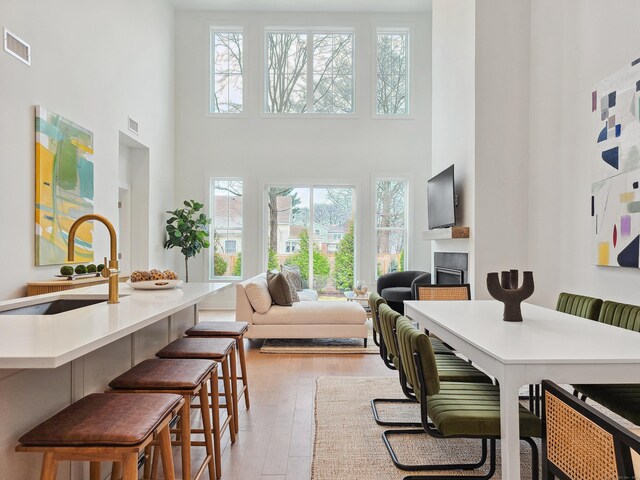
(501,138)
(454,106)
(574,45)
(259,149)
(94,63)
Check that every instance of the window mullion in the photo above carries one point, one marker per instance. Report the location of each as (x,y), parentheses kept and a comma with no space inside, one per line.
(310,72)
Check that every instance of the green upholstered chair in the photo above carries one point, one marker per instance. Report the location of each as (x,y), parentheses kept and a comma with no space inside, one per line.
(451,367)
(579,305)
(580,442)
(375,301)
(623,399)
(453,409)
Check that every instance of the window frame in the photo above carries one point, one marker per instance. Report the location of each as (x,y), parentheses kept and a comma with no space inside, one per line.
(213,29)
(211,250)
(388,29)
(310,31)
(407,225)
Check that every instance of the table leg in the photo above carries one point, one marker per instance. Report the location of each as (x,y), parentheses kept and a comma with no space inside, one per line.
(509,429)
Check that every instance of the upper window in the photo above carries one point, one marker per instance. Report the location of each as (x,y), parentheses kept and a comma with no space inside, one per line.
(309,72)
(391,226)
(226,71)
(225,258)
(392,72)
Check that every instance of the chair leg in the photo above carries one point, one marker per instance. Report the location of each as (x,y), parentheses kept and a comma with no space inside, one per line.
(365,342)
(385,423)
(185,437)
(116,471)
(94,470)
(456,466)
(165,452)
(234,388)
(131,466)
(147,463)
(243,371)
(486,476)
(227,398)
(215,416)
(206,427)
(375,338)
(49,467)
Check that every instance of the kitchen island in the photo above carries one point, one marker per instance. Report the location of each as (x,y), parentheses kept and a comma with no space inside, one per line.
(50,361)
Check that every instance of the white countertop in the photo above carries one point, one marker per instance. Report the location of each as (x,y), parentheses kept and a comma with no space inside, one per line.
(49,341)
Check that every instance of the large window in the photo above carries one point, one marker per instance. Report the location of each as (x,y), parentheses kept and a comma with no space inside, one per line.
(312,228)
(391,225)
(225,258)
(226,71)
(392,72)
(309,72)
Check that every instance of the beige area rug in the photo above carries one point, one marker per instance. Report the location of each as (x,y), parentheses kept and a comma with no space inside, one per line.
(348,443)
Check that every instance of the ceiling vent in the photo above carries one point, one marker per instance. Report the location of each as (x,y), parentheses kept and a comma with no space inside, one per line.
(17,47)
(133,125)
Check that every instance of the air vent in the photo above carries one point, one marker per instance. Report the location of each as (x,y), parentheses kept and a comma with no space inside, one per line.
(17,47)
(133,125)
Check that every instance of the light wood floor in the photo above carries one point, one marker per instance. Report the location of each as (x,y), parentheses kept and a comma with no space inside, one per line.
(275,440)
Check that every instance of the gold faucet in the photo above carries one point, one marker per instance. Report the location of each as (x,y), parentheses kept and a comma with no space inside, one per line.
(111,272)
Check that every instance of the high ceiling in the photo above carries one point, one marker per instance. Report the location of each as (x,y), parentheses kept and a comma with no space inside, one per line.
(383,6)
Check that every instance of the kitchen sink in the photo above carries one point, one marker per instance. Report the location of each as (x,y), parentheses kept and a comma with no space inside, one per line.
(53,307)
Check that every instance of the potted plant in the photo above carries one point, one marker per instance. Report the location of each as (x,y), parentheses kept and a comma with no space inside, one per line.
(188,230)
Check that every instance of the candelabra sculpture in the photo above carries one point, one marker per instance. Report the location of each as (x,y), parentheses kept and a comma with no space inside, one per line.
(506,291)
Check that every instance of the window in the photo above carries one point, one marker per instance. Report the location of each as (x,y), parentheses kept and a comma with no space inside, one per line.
(226,71)
(392,75)
(391,225)
(309,72)
(297,222)
(225,258)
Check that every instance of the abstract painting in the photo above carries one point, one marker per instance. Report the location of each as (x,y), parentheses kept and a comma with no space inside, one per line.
(64,187)
(615,196)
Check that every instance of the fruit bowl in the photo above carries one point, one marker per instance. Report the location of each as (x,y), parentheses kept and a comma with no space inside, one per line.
(155,284)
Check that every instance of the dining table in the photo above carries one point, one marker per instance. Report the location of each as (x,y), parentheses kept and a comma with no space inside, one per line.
(546,345)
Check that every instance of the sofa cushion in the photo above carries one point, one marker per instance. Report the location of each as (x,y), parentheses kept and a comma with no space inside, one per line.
(293,275)
(258,294)
(396,294)
(308,295)
(279,289)
(313,313)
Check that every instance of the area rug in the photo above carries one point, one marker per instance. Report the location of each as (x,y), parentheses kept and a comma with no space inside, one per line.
(348,443)
(319,345)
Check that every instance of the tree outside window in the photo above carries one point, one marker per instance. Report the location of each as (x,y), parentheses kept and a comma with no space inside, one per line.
(392,76)
(226,71)
(391,225)
(309,72)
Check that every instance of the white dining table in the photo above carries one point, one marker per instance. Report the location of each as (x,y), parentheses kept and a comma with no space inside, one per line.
(546,345)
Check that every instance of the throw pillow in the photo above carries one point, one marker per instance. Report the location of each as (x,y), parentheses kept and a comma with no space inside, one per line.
(293,275)
(258,295)
(294,293)
(279,289)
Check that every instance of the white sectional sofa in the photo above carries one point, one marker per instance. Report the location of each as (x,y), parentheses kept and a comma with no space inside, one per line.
(308,318)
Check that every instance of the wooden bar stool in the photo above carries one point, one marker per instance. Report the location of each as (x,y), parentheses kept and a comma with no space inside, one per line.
(106,427)
(233,330)
(222,351)
(188,378)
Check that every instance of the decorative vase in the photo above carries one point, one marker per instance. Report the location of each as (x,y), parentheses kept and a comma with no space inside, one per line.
(360,288)
(506,291)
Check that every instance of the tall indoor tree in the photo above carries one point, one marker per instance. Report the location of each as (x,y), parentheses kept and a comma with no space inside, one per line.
(187,229)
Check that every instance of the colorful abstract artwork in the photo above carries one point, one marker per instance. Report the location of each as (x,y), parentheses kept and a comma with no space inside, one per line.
(64,187)
(615,196)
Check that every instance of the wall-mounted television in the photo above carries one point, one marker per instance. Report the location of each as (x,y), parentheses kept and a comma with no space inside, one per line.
(441,200)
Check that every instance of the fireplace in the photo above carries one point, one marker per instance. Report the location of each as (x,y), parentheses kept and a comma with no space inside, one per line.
(450,268)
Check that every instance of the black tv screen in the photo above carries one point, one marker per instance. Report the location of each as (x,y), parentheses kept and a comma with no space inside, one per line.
(441,200)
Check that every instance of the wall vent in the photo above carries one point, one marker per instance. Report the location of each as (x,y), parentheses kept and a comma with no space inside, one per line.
(17,47)
(133,125)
